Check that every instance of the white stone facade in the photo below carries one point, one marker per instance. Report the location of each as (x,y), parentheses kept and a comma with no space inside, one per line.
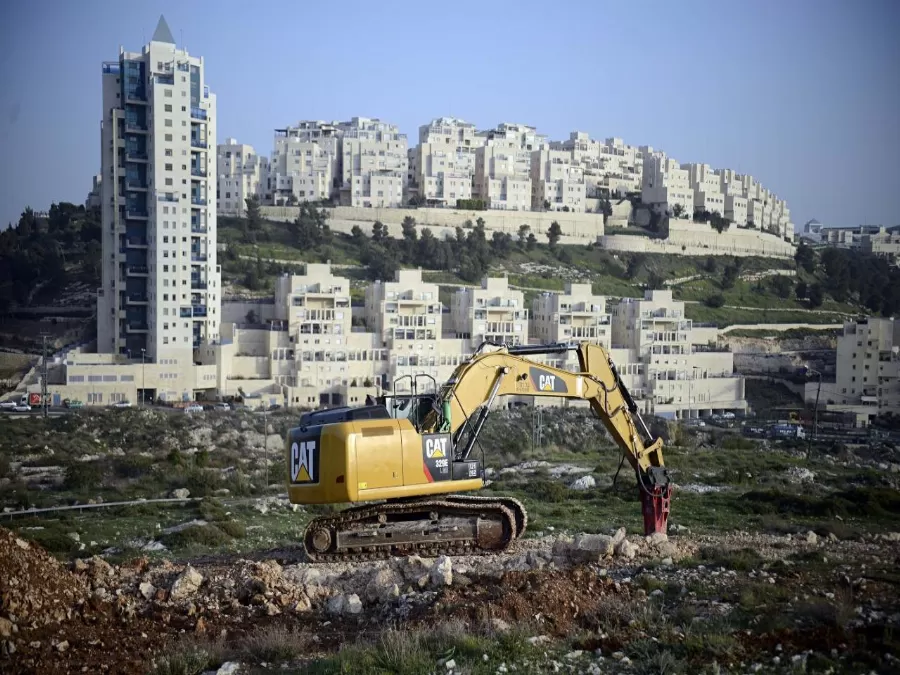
(557,181)
(305,163)
(493,313)
(868,366)
(374,163)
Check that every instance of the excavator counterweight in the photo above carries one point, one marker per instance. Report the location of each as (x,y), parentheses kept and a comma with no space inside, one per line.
(403,456)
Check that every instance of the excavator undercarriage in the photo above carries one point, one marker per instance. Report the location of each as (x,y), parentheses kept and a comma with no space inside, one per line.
(402,460)
(445,525)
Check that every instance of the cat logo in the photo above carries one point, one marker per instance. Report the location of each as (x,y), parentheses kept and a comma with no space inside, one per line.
(304,462)
(547,382)
(436,447)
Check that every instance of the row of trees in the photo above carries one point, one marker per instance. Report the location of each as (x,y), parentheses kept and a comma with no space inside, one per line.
(854,276)
(47,252)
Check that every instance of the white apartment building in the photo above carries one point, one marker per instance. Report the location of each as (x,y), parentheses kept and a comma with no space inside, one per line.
(503,166)
(557,181)
(680,371)
(492,313)
(374,163)
(868,367)
(611,168)
(706,185)
(442,165)
(305,163)
(241,173)
(882,243)
(665,185)
(161,292)
(575,315)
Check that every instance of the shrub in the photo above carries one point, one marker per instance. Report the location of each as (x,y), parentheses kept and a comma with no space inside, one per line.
(546,490)
(232,528)
(132,466)
(202,535)
(83,476)
(715,301)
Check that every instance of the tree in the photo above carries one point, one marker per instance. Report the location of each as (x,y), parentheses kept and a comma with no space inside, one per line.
(546,205)
(531,241)
(501,244)
(254,217)
(816,295)
(800,290)
(292,200)
(730,276)
(656,282)
(379,231)
(251,317)
(678,211)
(711,265)
(357,236)
(634,267)
(716,300)
(408,228)
(554,234)
(428,248)
(782,286)
(806,258)
(524,230)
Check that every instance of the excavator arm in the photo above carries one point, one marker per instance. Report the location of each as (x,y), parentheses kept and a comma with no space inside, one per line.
(465,400)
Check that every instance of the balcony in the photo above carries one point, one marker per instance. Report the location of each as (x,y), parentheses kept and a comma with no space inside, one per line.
(198,201)
(137,270)
(168,197)
(198,257)
(111,68)
(164,79)
(198,229)
(198,173)
(197,285)
(136,215)
(135,185)
(135,128)
(136,327)
(136,97)
(199,310)
(198,114)
(186,312)
(136,242)
(195,143)
(136,299)
(132,156)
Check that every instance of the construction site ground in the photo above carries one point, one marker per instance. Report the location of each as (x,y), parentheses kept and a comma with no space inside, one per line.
(780,558)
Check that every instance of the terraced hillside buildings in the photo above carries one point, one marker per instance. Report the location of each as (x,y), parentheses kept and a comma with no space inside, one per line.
(868,369)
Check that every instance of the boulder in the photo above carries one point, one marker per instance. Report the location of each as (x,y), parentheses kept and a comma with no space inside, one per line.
(584,483)
(344,604)
(181,493)
(383,586)
(657,538)
(186,584)
(812,537)
(626,549)
(6,627)
(415,567)
(589,548)
(618,536)
(442,572)
(229,668)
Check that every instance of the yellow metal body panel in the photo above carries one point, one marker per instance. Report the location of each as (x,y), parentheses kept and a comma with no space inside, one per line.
(365,460)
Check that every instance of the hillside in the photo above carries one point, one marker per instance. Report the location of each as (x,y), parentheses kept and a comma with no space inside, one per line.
(722,290)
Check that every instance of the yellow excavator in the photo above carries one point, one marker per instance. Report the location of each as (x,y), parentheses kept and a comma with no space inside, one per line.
(404,455)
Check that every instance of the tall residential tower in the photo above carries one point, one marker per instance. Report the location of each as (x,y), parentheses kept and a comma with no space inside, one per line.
(161,293)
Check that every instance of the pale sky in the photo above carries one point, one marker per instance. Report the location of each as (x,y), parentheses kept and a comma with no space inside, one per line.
(802,94)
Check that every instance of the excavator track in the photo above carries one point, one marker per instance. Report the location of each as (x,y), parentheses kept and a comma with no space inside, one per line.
(453,525)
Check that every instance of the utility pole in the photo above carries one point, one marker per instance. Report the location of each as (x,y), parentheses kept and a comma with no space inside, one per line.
(266,443)
(537,425)
(44,395)
(815,432)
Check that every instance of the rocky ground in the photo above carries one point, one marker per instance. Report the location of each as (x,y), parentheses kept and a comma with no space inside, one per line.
(588,604)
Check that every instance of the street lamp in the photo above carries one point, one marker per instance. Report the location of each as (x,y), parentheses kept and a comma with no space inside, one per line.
(143,354)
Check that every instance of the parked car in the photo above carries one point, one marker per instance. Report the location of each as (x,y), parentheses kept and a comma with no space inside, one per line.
(7,405)
(695,423)
(122,404)
(22,407)
(193,408)
(222,406)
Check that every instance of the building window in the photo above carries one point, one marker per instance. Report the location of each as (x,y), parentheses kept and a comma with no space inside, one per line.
(168,107)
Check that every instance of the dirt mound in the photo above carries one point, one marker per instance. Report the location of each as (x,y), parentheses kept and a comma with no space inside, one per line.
(557,600)
(35,589)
